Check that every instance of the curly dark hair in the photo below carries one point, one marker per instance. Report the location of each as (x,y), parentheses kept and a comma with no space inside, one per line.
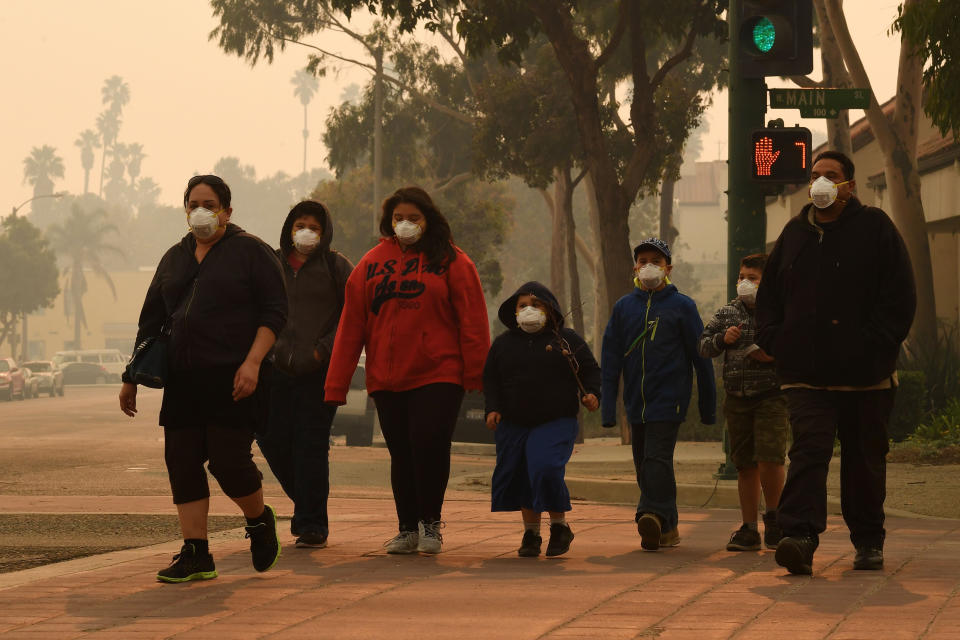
(437,240)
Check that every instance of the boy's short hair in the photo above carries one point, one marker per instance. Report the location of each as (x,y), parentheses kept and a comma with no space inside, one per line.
(754,261)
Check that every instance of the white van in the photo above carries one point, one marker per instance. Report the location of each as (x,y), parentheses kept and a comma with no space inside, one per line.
(110,359)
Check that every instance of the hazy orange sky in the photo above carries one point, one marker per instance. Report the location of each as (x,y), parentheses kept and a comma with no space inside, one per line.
(192,104)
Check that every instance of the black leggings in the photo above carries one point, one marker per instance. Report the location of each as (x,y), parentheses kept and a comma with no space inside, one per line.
(418,427)
(228,450)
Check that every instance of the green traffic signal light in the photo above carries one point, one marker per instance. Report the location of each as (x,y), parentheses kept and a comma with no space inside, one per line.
(764,34)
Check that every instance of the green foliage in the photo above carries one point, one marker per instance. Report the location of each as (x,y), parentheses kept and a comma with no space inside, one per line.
(910,405)
(934,28)
(942,430)
(28,272)
(940,364)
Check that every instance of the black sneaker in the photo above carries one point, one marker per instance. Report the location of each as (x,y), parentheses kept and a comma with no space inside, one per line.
(264,543)
(744,539)
(188,565)
(560,538)
(796,554)
(649,528)
(771,531)
(870,558)
(312,540)
(530,545)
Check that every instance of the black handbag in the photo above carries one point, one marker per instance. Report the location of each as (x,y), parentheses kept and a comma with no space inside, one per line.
(148,365)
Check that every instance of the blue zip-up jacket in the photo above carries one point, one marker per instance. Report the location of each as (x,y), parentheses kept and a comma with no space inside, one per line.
(651,339)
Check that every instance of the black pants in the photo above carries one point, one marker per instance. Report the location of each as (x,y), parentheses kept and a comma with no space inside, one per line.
(228,450)
(296,445)
(418,427)
(860,419)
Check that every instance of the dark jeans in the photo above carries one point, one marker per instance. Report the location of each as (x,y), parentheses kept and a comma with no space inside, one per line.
(653,444)
(860,419)
(418,427)
(297,446)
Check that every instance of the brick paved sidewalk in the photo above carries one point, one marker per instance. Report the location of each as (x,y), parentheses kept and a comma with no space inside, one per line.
(478,588)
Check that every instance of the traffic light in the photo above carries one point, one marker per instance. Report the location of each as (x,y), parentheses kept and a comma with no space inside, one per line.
(776,38)
(781,155)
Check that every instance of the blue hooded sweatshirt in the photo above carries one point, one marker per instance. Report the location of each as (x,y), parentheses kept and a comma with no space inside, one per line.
(651,339)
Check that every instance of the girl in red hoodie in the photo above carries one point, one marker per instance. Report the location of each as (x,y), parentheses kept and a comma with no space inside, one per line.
(415,303)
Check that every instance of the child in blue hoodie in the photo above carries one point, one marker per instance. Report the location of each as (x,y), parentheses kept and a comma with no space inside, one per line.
(651,339)
(536,376)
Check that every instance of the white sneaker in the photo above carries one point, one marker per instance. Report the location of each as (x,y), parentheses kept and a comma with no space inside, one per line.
(403,542)
(430,538)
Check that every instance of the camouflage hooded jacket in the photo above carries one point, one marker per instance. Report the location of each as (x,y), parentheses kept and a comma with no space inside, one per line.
(742,375)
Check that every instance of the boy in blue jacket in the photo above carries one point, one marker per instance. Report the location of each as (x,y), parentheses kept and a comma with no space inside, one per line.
(651,339)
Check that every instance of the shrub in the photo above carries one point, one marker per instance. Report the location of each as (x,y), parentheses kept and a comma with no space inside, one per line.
(943,430)
(910,405)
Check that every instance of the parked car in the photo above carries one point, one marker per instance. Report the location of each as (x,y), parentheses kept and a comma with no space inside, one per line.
(49,375)
(111,359)
(85,373)
(31,383)
(11,379)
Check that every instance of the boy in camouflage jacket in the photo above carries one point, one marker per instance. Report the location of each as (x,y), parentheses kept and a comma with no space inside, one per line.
(755,408)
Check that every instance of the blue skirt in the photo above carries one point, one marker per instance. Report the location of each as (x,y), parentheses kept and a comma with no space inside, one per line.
(530,466)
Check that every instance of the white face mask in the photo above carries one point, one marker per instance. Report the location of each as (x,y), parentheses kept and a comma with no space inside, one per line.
(531,319)
(747,291)
(823,192)
(407,232)
(203,223)
(305,240)
(650,275)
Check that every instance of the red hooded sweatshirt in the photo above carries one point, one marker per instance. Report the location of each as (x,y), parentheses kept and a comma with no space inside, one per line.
(419,325)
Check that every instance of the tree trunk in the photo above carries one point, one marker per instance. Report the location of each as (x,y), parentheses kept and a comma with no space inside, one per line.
(77,315)
(103,164)
(565,205)
(668,232)
(897,139)
(377,141)
(558,240)
(306,134)
(86,181)
(834,76)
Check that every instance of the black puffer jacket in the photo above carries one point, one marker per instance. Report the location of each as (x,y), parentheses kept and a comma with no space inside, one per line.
(217,305)
(837,299)
(315,300)
(528,384)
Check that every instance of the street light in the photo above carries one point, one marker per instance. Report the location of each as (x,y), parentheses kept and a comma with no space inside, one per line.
(58,194)
(24,344)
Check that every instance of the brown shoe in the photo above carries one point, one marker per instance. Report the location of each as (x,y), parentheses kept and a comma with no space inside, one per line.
(670,538)
(649,528)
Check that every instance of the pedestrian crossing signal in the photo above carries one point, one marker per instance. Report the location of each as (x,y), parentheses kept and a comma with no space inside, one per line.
(781,155)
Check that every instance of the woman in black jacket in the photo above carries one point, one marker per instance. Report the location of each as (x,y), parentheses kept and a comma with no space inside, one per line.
(220,293)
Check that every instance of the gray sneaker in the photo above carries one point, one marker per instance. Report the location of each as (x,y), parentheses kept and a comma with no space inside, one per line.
(403,542)
(430,538)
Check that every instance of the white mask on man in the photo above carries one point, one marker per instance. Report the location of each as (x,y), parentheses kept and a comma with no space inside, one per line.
(823,192)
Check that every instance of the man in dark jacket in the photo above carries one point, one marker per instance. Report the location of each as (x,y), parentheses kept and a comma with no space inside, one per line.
(837,300)
(297,441)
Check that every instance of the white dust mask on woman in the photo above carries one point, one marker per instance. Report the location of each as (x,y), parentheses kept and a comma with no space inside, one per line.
(407,232)
(203,223)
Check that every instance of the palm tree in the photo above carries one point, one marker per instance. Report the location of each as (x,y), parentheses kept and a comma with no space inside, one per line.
(134,158)
(108,124)
(87,141)
(305,85)
(116,93)
(81,243)
(41,167)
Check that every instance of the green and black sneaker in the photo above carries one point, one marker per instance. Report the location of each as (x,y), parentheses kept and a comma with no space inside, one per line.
(264,543)
(188,565)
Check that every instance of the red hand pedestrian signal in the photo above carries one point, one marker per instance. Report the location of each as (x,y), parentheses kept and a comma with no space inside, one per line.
(764,156)
(781,155)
